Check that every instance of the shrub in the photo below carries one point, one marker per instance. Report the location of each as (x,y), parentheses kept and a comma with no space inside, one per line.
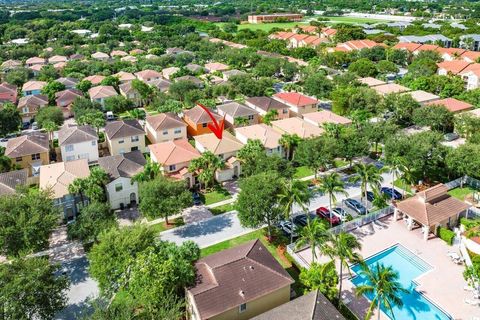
(446,235)
(469,223)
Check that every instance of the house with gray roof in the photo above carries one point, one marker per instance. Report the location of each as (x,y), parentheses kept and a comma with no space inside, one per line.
(9,181)
(431,38)
(470,42)
(121,190)
(233,111)
(78,142)
(124,136)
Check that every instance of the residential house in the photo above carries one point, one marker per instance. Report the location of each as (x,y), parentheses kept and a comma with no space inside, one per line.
(265,104)
(57,59)
(64,100)
(168,72)
(328,32)
(77,56)
(32,87)
(125,76)
(197,120)
(371,82)
(470,42)
(95,79)
(451,67)
(353,45)
(176,51)
(449,54)
(233,111)
(282,35)
(432,38)
(311,306)
(10,65)
(148,75)
(35,69)
(195,68)
(56,177)
(165,127)
(408,46)
(35,61)
(431,209)
(118,53)
(320,118)
(121,190)
(471,75)
(124,136)
(267,135)
(69,83)
(390,88)
(422,97)
(431,26)
(297,126)
(452,105)
(29,151)
(267,18)
(128,91)
(226,149)
(78,142)
(197,82)
(29,105)
(174,156)
(237,284)
(298,103)
(136,52)
(216,66)
(161,84)
(8,93)
(100,93)
(9,181)
(130,59)
(470,56)
(230,73)
(100,56)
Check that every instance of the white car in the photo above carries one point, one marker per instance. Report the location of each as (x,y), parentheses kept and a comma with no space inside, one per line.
(340,213)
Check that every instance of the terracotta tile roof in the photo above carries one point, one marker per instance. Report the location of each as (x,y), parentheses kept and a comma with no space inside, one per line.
(295,98)
(371,82)
(422,96)
(308,29)
(8,92)
(454,66)
(236,109)
(174,152)
(297,126)
(66,97)
(359,44)
(234,276)
(100,55)
(198,115)
(36,100)
(35,60)
(451,51)
(123,165)
(427,47)
(56,59)
(432,206)
(33,143)
(148,74)
(470,55)
(127,88)
(33,85)
(125,76)
(216,66)
(123,129)
(11,64)
(472,68)
(161,84)
(267,135)
(72,134)
(100,92)
(329,31)
(58,176)
(388,88)
(67,81)
(163,121)
(95,79)
(267,103)
(10,180)
(210,142)
(452,104)
(409,46)
(325,116)
(282,35)
(118,53)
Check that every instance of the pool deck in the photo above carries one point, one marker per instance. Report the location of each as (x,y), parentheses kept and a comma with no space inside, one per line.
(443,285)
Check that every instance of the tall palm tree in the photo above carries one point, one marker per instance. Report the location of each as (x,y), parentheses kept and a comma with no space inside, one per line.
(50,127)
(314,235)
(270,116)
(382,283)
(289,142)
(342,246)
(150,171)
(207,164)
(332,185)
(293,192)
(78,187)
(369,176)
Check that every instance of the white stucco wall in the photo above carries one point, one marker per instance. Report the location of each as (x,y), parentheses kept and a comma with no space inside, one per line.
(123,196)
(83,150)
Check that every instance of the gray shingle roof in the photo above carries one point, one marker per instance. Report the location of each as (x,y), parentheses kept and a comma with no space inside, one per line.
(76,134)
(124,165)
(10,180)
(122,129)
(33,143)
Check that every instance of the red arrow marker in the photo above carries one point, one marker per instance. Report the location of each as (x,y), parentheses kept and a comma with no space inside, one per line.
(216,127)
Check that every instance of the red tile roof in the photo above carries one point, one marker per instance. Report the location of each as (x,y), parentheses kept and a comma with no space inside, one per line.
(409,46)
(295,98)
(452,104)
(454,66)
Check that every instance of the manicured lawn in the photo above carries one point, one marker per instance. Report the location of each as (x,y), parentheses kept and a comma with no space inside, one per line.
(267,26)
(216,195)
(461,193)
(302,172)
(159,227)
(222,209)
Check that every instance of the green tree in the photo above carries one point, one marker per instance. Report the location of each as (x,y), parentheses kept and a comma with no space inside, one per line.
(383,285)
(48,73)
(92,117)
(138,114)
(368,175)
(316,153)
(146,92)
(321,277)
(363,68)
(163,197)
(422,67)
(93,186)
(10,119)
(179,90)
(207,164)
(385,67)
(241,121)
(318,85)
(28,217)
(257,201)
(118,104)
(84,86)
(94,218)
(313,235)
(270,116)
(48,115)
(18,76)
(151,170)
(289,142)
(464,160)
(50,127)
(111,81)
(436,117)
(30,288)
(51,89)
(331,184)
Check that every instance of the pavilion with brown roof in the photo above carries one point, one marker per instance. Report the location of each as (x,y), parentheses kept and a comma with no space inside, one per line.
(430,208)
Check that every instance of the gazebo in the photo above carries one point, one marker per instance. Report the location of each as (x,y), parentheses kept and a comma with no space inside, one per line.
(430,208)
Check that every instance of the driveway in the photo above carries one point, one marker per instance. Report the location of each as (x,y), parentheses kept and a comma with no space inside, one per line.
(196,214)
(208,232)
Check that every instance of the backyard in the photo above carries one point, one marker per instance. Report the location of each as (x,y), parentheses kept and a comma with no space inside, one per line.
(462,193)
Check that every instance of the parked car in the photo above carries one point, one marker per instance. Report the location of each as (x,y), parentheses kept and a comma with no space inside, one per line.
(110,116)
(391,193)
(289,228)
(34,126)
(450,136)
(340,213)
(25,125)
(302,219)
(370,196)
(356,206)
(196,199)
(325,214)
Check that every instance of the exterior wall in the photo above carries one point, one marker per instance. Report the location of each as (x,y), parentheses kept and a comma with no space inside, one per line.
(83,150)
(31,92)
(116,148)
(282,114)
(278,151)
(159,136)
(70,205)
(254,307)
(26,161)
(302,110)
(471,82)
(135,97)
(166,168)
(273,18)
(194,130)
(123,196)
(442,72)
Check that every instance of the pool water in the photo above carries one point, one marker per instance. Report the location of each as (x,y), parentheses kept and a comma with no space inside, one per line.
(409,267)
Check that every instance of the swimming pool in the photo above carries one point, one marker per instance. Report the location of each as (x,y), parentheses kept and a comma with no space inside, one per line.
(415,305)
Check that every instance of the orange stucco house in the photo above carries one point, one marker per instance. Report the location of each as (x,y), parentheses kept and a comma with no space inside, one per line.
(197,121)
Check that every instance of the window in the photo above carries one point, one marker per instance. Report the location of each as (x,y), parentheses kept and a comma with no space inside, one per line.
(18,159)
(118,187)
(285,111)
(242,308)
(135,138)
(94,143)
(36,156)
(133,148)
(25,110)
(69,147)
(220,156)
(165,132)
(250,117)
(204,125)
(172,167)
(70,158)
(121,141)
(177,131)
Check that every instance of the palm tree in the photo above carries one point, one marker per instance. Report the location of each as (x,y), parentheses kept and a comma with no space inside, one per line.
(270,116)
(150,171)
(382,283)
(241,121)
(137,113)
(78,187)
(332,129)
(293,192)
(332,185)
(368,175)
(342,247)
(207,164)
(50,127)
(314,235)
(289,142)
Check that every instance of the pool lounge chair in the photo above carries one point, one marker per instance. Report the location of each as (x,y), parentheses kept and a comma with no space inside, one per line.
(472,302)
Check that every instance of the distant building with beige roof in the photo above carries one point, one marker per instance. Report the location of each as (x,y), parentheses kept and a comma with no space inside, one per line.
(232,111)
(33,87)
(100,93)
(267,135)
(95,79)
(56,177)
(216,66)
(168,72)
(319,118)
(423,97)
(29,151)
(35,61)
(118,53)
(165,127)
(10,181)
(389,88)
(100,56)
(125,76)
(297,126)
(371,82)
(57,59)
